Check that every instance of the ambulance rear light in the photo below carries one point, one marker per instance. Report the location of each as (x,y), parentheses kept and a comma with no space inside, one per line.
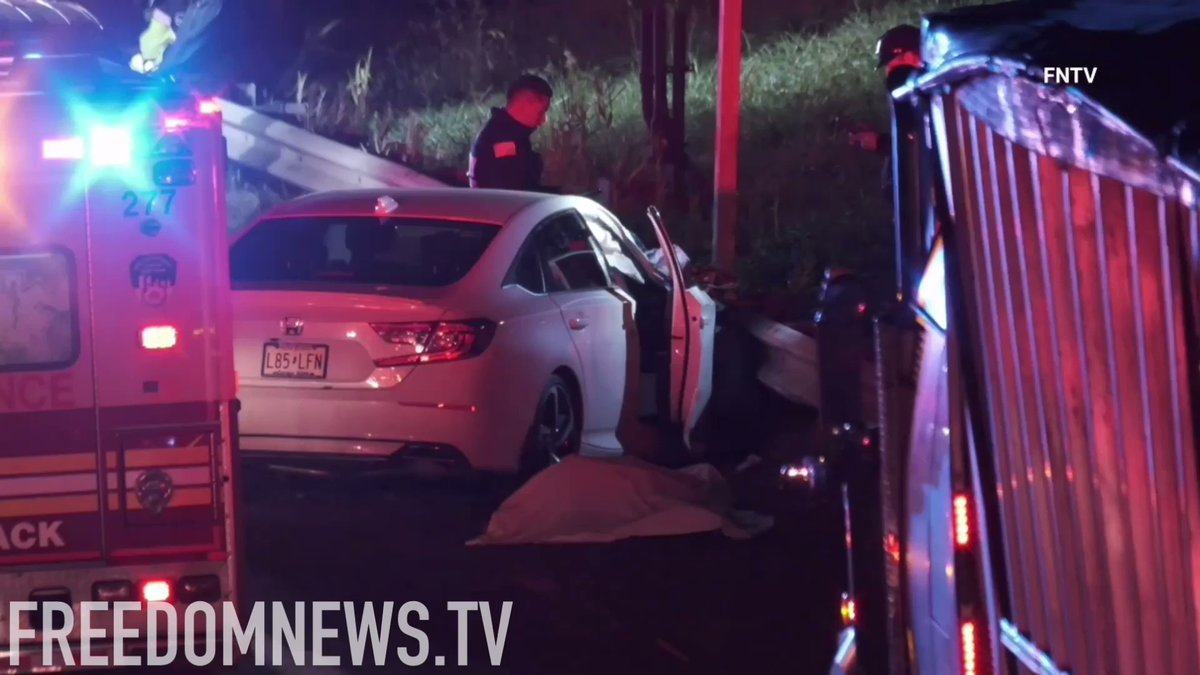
(209,107)
(962,521)
(63,148)
(156,591)
(112,591)
(849,610)
(159,337)
(969,647)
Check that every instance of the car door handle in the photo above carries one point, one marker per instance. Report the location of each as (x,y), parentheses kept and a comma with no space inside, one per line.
(578,323)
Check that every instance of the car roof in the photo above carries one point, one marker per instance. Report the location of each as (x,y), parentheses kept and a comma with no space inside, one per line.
(496,207)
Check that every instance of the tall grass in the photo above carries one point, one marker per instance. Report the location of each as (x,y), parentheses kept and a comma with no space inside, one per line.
(808,199)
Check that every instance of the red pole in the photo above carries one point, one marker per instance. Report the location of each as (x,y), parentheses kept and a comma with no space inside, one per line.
(729,104)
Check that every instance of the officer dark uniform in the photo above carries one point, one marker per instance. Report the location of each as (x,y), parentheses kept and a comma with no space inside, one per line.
(502,156)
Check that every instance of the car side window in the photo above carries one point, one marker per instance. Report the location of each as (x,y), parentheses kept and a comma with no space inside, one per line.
(527,271)
(615,251)
(569,256)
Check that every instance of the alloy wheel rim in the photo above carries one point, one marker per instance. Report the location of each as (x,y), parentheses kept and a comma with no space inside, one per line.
(556,424)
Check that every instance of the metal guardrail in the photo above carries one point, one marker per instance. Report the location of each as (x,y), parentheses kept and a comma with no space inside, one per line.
(790,367)
(306,160)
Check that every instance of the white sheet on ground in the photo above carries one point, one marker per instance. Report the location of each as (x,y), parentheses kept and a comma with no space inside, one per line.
(600,500)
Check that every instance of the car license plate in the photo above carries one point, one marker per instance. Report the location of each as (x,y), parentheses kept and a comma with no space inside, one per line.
(300,361)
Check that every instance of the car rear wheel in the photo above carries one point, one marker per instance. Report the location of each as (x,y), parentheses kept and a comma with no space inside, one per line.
(556,430)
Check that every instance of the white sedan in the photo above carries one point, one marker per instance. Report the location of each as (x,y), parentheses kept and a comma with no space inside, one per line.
(494,331)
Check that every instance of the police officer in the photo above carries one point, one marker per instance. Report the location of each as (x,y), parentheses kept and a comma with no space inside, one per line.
(502,156)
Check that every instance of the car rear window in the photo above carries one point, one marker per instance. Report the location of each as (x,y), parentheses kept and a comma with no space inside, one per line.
(359,250)
(39,321)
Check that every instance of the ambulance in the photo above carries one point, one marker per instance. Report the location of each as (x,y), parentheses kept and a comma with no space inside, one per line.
(117,388)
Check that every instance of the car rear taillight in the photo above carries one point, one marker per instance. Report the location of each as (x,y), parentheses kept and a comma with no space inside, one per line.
(156,591)
(159,337)
(434,342)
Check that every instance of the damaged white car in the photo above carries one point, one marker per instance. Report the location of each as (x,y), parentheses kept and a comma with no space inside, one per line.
(490,330)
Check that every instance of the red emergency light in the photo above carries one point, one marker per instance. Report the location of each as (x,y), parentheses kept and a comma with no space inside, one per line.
(849,611)
(962,521)
(156,591)
(159,337)
(970,648)
(209,107)
(174,123)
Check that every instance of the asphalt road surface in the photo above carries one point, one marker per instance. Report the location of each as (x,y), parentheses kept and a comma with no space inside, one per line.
(689,604)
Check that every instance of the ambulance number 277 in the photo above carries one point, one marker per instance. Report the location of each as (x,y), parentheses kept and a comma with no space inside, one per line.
(148,204)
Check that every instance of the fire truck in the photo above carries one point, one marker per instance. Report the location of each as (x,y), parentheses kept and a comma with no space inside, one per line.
(117,386)
(1029,501)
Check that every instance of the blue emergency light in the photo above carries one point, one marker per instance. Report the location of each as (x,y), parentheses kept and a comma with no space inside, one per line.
(110,146)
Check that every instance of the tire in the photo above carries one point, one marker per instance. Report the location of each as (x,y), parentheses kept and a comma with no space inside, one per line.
(556,431)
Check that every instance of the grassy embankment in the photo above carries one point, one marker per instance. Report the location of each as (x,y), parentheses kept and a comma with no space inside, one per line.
(809,198)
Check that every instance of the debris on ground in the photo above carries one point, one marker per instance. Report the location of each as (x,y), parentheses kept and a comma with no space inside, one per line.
(748,463)
(602,500)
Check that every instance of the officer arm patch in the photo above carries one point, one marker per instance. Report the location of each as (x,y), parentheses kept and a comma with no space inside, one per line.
(505,149)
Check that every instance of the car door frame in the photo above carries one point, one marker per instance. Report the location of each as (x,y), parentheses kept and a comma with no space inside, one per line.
(610,288)
(693,317)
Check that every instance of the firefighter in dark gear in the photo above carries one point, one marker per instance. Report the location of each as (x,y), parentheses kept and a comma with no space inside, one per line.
(502,156)
(898,54)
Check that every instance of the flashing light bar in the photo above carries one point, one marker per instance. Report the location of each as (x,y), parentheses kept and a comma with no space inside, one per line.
(209,107)
(962,521)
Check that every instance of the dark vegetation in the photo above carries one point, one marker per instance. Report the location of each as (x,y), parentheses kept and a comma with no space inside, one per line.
(415,82)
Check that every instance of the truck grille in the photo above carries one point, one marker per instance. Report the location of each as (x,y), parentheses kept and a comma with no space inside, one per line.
(1077,246)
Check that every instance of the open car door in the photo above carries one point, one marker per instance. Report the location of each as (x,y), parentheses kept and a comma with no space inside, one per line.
(693,330)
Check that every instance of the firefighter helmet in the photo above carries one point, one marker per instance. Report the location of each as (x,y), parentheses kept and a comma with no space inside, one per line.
(904,38)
